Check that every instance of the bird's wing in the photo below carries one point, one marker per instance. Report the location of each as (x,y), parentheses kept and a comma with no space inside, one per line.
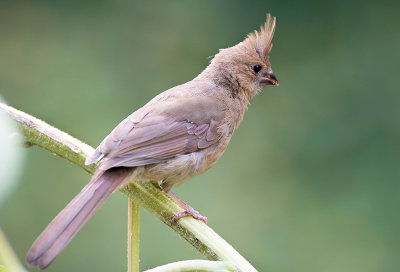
(168,130)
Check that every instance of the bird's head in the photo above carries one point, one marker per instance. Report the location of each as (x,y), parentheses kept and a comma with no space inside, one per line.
(247,65)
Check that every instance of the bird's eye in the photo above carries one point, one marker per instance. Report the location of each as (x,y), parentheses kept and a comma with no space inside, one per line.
(257,68)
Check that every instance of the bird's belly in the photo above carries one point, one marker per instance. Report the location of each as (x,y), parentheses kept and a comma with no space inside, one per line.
(180,168)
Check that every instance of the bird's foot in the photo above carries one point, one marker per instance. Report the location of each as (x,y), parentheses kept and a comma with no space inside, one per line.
(193,213)
(188,210)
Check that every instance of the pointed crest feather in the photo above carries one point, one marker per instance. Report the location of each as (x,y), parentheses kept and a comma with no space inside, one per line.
(261,41)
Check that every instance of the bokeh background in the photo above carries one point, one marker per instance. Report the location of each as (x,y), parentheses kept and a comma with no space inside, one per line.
(310,181)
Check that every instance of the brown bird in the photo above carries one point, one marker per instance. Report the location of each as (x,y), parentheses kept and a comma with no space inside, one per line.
(179,134)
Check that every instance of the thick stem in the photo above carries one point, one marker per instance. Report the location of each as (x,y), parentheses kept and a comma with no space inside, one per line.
(197,233)
(133,235)
(194,265)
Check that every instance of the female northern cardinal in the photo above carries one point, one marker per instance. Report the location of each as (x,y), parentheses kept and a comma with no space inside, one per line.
(180,133)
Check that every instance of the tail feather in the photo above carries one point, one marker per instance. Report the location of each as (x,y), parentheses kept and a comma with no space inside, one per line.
(71,219)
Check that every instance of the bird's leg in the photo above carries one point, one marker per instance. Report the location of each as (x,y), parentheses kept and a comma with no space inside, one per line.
(188,210)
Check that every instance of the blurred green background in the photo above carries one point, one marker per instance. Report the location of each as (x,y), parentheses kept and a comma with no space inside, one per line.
(310,181)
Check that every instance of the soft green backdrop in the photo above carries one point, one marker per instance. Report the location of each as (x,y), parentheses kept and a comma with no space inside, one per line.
(310,181)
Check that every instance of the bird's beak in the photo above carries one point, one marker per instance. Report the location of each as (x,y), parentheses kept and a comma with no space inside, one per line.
(269,79)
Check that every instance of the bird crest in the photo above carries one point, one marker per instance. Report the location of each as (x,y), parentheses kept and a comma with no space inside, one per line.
(261,41)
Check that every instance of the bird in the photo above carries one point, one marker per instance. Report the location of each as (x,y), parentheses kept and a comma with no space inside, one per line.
(178,134)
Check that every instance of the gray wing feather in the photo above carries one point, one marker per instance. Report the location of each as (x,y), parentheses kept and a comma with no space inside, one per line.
(155,134)
(153,142)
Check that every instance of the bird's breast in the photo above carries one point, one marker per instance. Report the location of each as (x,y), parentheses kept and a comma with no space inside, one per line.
(183,167)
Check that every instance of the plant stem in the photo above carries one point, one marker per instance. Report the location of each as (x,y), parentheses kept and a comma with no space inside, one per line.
(194,265)
(8,260)
(196,232)
(133,235)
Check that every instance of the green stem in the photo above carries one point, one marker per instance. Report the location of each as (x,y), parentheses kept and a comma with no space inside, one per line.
(194,265)
(196,232)
(8,260)
(133,235)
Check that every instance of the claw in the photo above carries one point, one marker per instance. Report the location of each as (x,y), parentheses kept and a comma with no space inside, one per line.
(188,211)
(193,213)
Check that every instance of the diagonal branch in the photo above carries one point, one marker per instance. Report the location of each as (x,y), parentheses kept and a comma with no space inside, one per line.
(195,232)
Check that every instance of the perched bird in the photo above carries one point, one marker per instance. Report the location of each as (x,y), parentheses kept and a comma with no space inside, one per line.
(179,134)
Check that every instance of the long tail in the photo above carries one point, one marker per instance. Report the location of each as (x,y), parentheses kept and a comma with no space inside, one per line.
(71,219)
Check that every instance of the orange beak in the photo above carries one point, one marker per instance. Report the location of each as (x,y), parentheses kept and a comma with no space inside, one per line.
(269,79)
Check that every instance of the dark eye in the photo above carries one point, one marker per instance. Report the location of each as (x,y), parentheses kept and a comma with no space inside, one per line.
(257,68)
